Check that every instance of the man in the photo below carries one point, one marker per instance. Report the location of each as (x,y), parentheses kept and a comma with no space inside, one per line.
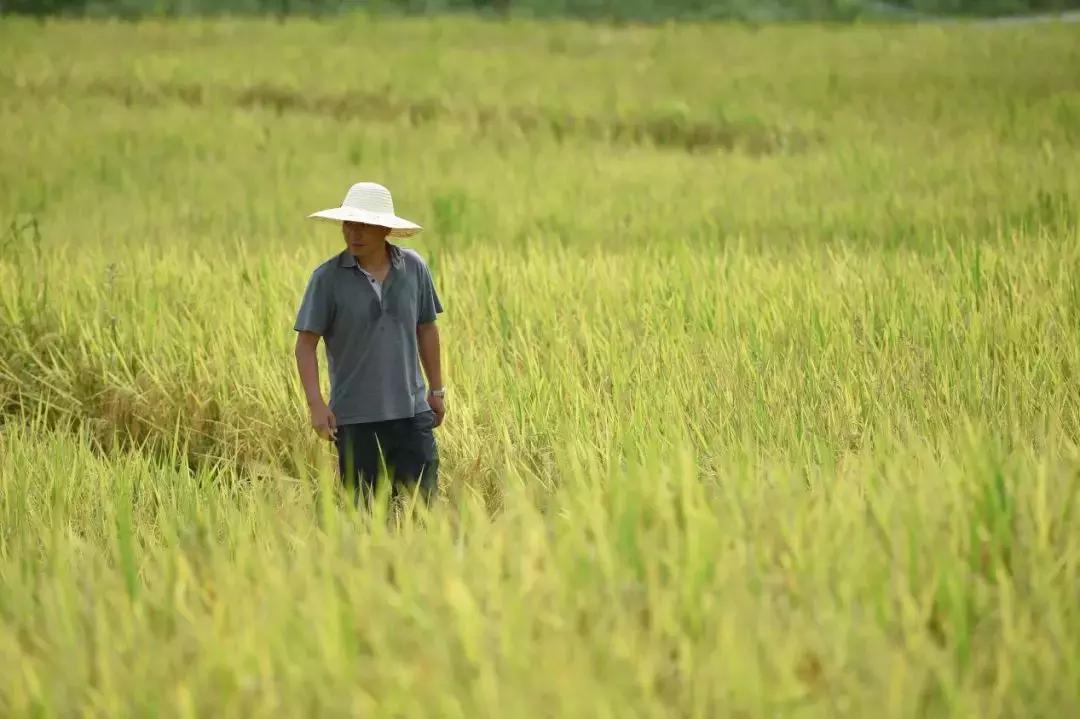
(375,305)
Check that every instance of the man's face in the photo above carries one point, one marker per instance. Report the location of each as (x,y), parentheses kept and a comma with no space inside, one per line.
(361,237)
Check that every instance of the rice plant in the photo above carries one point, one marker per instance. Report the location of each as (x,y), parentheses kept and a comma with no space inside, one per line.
(762,350)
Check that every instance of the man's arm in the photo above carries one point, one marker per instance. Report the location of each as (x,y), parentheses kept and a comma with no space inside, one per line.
(427,336)
(307,366)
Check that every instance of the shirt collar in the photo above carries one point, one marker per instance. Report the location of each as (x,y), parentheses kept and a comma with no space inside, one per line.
(347,259)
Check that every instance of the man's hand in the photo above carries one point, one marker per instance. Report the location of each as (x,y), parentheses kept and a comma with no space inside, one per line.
(324,422)
(439,406)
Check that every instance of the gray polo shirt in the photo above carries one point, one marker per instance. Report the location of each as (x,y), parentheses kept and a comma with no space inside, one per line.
(370,336)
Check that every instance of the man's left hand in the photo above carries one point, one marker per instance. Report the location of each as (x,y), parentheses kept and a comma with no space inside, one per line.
(439,406)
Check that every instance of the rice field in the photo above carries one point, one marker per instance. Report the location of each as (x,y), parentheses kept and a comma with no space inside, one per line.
(762,347)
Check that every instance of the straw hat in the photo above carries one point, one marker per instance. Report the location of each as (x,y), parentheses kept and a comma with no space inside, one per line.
(370,203)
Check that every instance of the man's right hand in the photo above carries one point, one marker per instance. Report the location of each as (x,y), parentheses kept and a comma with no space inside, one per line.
(324,422)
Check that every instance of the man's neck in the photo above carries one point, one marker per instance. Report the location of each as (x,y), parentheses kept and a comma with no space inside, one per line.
(375,258)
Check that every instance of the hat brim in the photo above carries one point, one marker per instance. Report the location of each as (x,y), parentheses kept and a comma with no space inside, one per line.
(399,226)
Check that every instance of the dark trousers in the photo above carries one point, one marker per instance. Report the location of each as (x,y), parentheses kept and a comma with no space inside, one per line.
(406,446)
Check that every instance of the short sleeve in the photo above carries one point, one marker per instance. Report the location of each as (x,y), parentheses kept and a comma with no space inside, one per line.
(428,304)
(317,308)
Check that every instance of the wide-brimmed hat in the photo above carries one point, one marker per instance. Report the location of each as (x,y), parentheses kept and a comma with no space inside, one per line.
(370,203)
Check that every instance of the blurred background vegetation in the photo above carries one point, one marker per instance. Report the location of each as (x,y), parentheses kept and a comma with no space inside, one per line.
(626,10)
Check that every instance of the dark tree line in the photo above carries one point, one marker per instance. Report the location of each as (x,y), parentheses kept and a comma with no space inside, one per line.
(595,9)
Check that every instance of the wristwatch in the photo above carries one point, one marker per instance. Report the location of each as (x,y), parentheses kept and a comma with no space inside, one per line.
(441,392)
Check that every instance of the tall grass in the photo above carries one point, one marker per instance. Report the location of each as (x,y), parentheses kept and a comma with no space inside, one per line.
(914,580)
(762,348)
